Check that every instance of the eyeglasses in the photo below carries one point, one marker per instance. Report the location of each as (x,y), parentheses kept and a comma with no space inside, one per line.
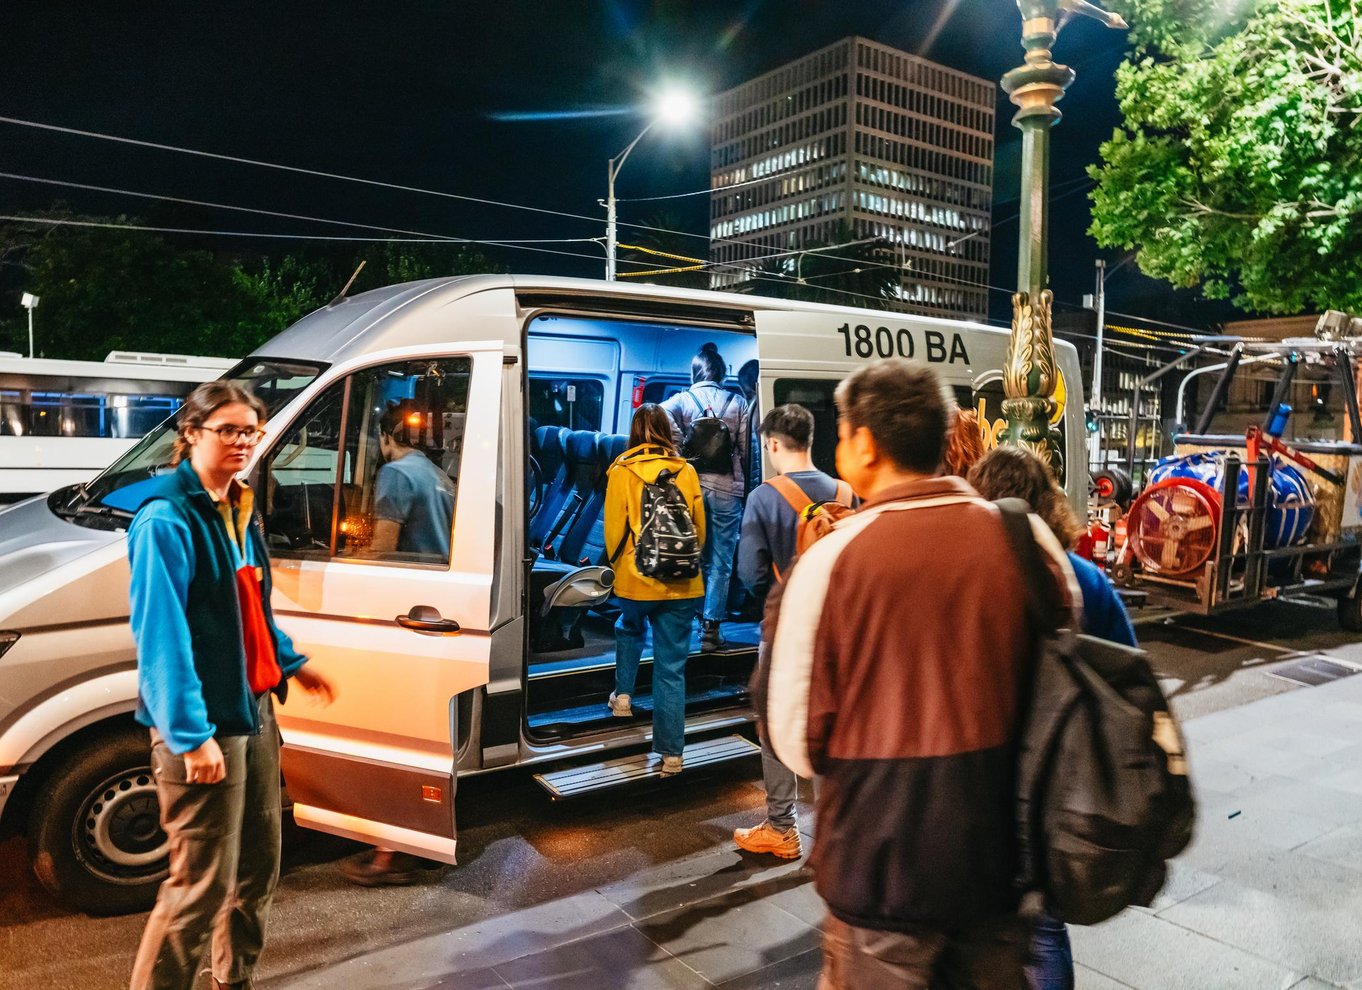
(237,436)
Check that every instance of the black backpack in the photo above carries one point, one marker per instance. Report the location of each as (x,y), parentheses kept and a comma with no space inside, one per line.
(666,546)
(708,443)
(1103,798)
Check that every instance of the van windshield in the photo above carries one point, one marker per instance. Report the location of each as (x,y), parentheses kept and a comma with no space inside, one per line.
(274,382)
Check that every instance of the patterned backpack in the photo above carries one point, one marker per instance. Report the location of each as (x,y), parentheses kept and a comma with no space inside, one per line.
(666,547)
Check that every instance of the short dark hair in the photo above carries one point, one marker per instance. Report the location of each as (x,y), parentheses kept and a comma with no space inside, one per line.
(1015,472)
(708,365)
(792,423)
(902,406)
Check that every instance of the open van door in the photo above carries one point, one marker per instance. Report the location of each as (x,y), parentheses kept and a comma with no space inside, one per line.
(381,505)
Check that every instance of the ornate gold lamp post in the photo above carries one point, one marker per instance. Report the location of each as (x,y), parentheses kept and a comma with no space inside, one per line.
(1035,87)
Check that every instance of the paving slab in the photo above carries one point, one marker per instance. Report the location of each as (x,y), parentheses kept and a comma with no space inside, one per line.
(1090,979)
(1299,912)
(796,973)
(1150,953)
(731,936)
(623,959)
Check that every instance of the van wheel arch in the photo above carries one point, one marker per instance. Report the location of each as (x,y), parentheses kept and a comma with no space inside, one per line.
(93,820)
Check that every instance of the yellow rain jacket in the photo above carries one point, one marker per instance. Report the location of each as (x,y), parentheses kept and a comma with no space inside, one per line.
(623,512)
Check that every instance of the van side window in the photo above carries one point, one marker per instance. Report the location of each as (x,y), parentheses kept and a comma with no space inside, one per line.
(576,403)
(300,480)
(815,395)
(403,440)
(370,470)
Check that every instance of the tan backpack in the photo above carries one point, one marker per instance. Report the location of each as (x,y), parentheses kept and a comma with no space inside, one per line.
(816,519)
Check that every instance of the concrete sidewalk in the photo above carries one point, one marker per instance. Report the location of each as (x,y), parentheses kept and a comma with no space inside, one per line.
(1269,895)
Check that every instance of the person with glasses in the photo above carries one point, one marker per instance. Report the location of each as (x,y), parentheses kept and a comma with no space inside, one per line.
(210,657)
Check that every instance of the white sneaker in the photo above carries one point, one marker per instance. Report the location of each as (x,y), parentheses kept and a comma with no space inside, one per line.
(671,766)
(619,706)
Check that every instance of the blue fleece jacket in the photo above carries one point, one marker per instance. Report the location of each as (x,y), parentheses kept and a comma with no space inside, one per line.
(1104,616)
(186,619)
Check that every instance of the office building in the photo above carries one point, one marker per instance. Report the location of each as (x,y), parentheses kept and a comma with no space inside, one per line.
(864,139)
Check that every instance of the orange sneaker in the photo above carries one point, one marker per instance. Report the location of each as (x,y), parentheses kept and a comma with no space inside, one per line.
(765,838)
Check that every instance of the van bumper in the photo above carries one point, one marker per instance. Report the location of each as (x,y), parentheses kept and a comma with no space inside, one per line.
(6,789)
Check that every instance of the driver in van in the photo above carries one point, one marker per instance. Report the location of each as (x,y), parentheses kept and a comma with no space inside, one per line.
(413,499)
(700,417)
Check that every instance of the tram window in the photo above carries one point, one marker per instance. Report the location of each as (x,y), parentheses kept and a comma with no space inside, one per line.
(76,414)
(576,403)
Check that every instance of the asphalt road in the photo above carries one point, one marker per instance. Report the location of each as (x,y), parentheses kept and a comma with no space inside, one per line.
(519,849)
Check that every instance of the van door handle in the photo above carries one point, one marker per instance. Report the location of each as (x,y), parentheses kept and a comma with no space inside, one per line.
(426,618)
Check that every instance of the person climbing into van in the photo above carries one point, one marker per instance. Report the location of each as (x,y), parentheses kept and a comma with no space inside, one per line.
(654,530)
(1015,472)
(709,426)
(209,658)
(770,524)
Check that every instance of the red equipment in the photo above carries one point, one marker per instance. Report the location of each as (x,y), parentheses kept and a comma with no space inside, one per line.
(1174,525)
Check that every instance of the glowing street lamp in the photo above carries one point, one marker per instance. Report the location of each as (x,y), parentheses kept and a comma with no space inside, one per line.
(672,108)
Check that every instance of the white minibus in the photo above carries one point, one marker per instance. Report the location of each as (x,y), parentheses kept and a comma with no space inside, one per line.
(495,652)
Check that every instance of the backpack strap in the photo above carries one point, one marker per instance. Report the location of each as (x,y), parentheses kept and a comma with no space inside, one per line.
(1042,596)
(690,394)
(789,488)
(844,494)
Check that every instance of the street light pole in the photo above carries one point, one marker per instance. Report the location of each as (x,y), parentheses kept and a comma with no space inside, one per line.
(1030,373)
(30,302)
(611,233)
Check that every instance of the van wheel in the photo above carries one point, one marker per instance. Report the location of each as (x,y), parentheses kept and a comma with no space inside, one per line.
(95,828)
(1350,612)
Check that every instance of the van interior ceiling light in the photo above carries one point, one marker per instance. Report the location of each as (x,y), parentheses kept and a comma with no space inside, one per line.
(7,639)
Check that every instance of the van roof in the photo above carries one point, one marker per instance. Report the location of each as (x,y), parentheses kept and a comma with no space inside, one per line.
(412,313)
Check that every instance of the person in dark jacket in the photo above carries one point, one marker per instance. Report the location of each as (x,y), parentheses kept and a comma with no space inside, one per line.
(209,658)
(724,490)
(770,526)
(899,651)
(1014,472)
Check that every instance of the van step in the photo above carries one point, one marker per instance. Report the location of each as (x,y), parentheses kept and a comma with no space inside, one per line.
(596,712)
(589,777)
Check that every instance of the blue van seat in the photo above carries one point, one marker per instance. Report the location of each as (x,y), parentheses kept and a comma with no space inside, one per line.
(584,542)
(557,481)
(580,476)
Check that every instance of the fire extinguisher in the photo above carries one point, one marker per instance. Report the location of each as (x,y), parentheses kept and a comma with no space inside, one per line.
(1100,537)
(637,398)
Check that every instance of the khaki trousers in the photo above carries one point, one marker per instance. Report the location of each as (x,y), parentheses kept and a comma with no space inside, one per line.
(224,863)
(988,956)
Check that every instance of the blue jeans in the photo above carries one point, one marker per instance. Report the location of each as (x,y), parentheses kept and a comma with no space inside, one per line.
(1051,962)
(671,621)
(723,520)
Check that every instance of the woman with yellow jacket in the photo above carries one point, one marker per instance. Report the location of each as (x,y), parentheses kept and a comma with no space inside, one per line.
(668,604)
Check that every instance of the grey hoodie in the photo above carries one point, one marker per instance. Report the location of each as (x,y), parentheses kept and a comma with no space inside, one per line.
(733,409)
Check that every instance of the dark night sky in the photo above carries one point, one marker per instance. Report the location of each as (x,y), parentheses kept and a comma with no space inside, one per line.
(405,92)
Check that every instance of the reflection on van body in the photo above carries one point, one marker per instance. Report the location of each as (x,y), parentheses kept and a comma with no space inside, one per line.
(496,652)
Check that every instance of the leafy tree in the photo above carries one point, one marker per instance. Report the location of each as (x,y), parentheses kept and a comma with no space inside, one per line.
(1239,166)
(104,288)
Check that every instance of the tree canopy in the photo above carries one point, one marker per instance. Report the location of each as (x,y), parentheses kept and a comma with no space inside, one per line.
(105,288)
(1239,165)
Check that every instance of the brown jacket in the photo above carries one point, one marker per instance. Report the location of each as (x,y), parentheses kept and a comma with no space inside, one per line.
(899,654)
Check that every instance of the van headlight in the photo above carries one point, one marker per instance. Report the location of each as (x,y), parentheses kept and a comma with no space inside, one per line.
(7,639)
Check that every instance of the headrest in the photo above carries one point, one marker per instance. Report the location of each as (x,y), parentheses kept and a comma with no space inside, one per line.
(581,446)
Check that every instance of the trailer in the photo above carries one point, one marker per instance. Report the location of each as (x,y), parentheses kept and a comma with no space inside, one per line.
(1231,520)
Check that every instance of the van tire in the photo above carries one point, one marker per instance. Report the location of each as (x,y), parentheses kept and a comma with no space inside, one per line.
(1350,611)
(94,829)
